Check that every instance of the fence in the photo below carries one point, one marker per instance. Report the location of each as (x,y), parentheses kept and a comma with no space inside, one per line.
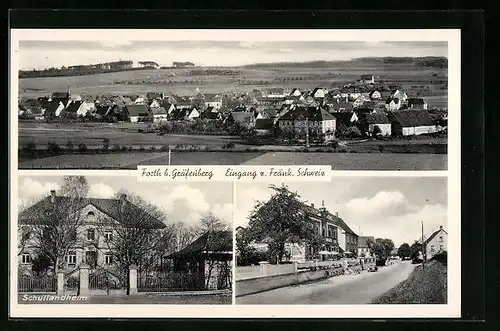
(105,281)
(174,281)
(33,283)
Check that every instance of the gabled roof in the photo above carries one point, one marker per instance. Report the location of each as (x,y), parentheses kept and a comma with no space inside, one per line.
(158,111)
(110,207)
(73,106)
(344,117)
(137,110)
(396,100)
(435,233)
(342,105)
(264,124)
(211,242)
(416,101)
(311,113)
(377,118)
(51,107)
(412,117)
(242,117)
(363,241)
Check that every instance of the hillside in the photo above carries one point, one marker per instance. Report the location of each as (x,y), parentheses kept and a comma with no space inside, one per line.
(428,61)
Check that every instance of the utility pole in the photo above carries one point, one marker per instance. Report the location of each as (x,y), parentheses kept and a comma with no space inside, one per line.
(423,246)
(307,132)
(169,155)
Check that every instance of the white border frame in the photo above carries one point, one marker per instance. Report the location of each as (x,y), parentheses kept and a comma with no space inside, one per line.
(451,309)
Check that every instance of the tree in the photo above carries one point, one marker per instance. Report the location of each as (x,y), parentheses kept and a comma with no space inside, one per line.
(282,220)
(376,131)
(52,232)
(415,248)
(381,248)
(136,235)
(404,251)
(214,228)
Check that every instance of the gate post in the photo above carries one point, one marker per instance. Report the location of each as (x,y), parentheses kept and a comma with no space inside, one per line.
(132,270)
(84,280)
(60,282)
(263,268)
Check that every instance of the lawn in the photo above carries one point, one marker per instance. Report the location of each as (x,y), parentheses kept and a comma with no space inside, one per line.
(356,161)
(132,160)
(424,286)
(93,134)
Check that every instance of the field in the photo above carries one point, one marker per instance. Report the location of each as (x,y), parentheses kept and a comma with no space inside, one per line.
(93,134)
(339,161)
(425,81)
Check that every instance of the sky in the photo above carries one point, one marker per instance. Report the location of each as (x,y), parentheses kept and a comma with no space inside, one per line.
(383,207)
(185,202)
(38,54)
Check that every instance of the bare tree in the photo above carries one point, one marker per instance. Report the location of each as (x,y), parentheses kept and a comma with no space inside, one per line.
(52,227)
(184,234)
(217,239)
(135,234)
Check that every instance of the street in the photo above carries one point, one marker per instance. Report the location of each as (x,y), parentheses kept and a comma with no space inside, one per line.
(345,289)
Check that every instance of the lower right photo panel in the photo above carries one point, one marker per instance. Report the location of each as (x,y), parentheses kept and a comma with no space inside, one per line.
(355,240)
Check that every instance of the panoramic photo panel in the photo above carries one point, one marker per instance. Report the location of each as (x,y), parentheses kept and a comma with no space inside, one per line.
(356,240)
(354,105)
(111,240)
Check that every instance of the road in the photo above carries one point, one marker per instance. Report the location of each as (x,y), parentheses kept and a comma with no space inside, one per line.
(348,289)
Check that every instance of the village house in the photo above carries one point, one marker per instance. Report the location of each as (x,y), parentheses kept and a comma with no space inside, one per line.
(417,103)
(246,119)
(214,101)
(295,92)
(342,106)
(367,79)
(63,97)
(393,104)
(411,122)
(275,93)
(210,115)
(52,109)
(168,106)
(380,120)
(154,104)
(316,119)
(136,113)
(159,114)
(436,243)
(319,93)
(363,247)
(76,109)
(402,96)
(264,126)
(375,95)
(90,234)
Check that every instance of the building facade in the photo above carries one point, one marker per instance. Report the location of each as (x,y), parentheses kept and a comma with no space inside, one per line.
(436,243)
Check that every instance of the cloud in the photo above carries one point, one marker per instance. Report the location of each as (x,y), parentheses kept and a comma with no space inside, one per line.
(246,199)
(116,43)
(381,203)
(101,191)
(193,198)
(33,189)
(223,211)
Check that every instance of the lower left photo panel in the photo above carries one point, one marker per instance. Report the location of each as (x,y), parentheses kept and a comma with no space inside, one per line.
(105,240)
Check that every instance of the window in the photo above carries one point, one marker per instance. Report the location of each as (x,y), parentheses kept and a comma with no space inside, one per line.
(441,238)
(25,258)
(108,235)
(440,247)
(71,258)
(90,213)
(432,248)
(108,259)
(90,234)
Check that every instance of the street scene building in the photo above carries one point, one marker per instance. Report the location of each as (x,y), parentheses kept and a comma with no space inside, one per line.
(284,241)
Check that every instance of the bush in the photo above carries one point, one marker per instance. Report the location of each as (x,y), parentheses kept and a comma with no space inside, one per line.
(105,144)
(124,148)
(142,149)
(69,146)
(152,149)
(29,148)
(116,148)
(229,145)
(441,257)
(82,147)
(164,148)
(353,132)
(53,148)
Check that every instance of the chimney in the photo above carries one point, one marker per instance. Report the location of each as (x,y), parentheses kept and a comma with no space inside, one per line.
(123,201)
(52,196)
(312,205)
(440,227)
